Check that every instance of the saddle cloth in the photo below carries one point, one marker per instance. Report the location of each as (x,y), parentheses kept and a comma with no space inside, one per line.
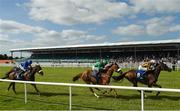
(94,73)
(140,74)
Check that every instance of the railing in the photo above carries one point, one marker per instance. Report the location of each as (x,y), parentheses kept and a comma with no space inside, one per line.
(84,85)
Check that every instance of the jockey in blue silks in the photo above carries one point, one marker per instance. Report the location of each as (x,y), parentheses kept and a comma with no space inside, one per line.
(144,67)
(23,67)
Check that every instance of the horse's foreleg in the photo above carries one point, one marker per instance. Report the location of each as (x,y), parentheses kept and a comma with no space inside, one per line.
(115,93)
(34,85)
(159,86)
(135,85)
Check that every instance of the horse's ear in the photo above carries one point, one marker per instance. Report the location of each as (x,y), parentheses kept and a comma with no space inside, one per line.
(37,63)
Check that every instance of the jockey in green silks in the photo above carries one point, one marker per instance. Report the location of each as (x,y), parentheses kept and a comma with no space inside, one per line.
(98,67)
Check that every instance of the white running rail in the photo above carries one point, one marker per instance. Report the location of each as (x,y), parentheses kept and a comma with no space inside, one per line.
(97,86)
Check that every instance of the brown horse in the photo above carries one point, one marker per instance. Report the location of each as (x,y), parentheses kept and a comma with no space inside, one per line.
(105,77)
(27,76)
(150,79)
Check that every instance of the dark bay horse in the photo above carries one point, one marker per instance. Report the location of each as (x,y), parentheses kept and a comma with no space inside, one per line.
(88,78)
(150,79)
(27,76)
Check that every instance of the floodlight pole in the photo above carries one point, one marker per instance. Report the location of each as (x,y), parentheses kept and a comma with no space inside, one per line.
(100,55)
(12,54)
(135,53)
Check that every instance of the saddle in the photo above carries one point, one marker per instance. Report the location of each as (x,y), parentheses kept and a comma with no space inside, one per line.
(19,73)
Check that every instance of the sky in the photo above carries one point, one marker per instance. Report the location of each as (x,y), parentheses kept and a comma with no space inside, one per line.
(42,23)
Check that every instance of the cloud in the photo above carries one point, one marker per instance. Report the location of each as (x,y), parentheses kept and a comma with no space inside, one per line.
(9,31)
(155,6)
(9,26)
(69,12)
(152,27)
(175,28)
(130,30)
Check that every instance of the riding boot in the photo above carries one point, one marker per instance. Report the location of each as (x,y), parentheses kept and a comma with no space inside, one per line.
(98,77)
(20,75)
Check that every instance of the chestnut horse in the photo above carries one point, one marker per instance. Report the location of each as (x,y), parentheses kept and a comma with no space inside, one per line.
(27,76)
(150,79)
(105,77)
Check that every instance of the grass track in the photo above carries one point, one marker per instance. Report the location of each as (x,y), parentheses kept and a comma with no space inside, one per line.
(57,97)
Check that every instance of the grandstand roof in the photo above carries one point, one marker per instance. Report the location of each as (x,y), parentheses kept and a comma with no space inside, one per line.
(133,43)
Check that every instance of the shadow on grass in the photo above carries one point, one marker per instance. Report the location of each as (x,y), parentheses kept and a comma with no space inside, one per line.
(49,94)
(137,96)
(75,106)
(174,98)
(67,104)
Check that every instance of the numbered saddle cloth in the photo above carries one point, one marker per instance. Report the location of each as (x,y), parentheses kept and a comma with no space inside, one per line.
(140,74)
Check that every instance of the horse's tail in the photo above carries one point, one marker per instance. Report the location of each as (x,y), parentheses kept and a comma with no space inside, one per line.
(6,75)
(118,78)
(75,78)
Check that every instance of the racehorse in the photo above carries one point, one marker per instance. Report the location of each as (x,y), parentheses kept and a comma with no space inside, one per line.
(150,79)
(105,77)
(27,76)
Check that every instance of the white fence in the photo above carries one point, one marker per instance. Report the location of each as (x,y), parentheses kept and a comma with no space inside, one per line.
(84,85)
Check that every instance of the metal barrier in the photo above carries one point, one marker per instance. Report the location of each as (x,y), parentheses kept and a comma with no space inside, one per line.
(97,86)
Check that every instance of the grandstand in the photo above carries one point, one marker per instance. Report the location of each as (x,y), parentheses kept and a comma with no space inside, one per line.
(122,52)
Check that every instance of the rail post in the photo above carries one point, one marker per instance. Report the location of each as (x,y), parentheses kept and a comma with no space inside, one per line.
(70,98)
(25,93)
(142,100)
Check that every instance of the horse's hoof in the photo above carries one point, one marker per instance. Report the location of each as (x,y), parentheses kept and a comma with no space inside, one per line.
(38,94)
(157,94)
(116,96)
(145,96)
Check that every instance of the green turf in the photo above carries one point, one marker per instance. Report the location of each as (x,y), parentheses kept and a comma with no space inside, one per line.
(57,97)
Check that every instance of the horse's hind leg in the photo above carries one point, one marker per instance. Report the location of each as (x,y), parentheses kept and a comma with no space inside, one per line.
(91,89)
(10,85)
(115,93)
(135,85)
(14,87)
(34,85)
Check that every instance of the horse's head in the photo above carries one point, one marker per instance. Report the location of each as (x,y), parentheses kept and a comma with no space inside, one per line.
(115,67)
(38,69)
(164,67)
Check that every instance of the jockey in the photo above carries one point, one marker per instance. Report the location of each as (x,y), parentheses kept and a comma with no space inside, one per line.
(153,64)
(98,67)
(145,66)
(24,66)
(150,65)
